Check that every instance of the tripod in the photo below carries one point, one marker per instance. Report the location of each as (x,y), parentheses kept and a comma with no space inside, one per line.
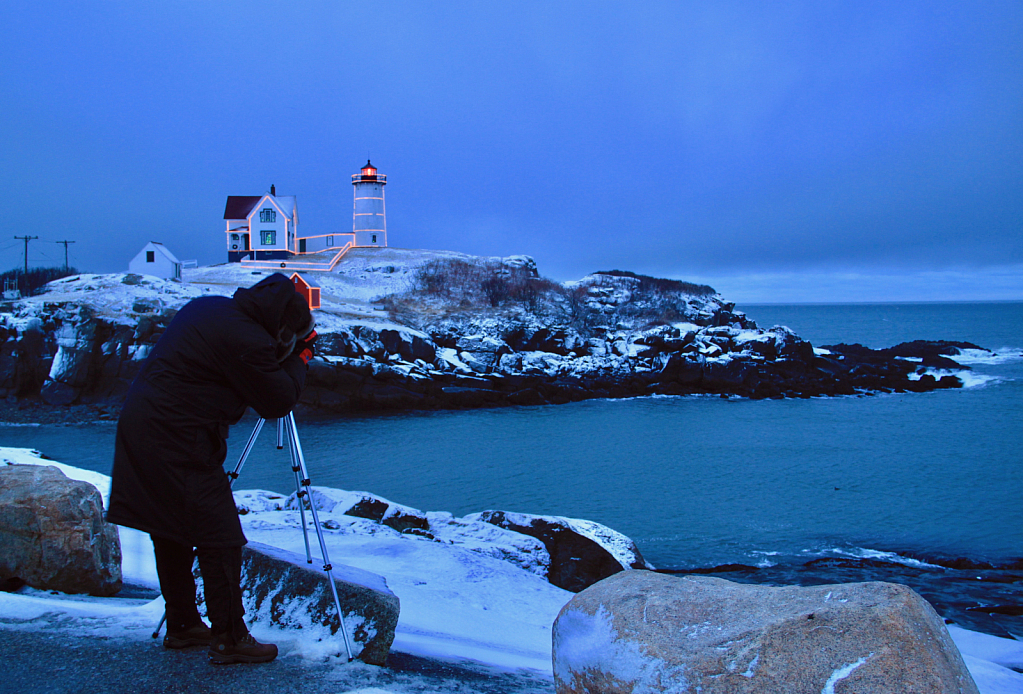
(286,429)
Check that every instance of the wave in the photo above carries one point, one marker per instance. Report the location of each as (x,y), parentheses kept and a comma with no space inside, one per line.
(981,356)
(969,379)
(877,555)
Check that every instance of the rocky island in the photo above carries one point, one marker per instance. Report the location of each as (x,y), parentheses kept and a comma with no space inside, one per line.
(408,329)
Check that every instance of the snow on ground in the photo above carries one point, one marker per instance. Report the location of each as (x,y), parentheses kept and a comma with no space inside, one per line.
(361,276)
(457,602)
(110,296)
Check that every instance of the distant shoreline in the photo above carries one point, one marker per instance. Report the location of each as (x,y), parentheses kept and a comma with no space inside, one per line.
(25,412)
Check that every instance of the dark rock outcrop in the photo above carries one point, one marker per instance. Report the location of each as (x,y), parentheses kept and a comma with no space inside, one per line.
(614,335)
(576,560)
(363,505)
(53,535)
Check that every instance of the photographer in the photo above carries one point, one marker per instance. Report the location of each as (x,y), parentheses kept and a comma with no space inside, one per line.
(218,356)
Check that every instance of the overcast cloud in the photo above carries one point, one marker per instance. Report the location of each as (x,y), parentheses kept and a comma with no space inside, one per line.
(800,151)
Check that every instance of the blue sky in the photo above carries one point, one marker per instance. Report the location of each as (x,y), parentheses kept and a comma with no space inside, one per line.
(801,151)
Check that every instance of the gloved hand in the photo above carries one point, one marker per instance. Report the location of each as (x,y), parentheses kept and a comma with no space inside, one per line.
(304,347)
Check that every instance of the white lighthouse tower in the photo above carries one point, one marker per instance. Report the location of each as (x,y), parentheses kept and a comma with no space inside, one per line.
(369,224)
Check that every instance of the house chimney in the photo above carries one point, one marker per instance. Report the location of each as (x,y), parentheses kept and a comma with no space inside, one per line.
(272,191)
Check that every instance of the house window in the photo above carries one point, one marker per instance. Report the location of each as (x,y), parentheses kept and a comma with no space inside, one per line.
(330,242)
(268,238)
(150,256)
(268,216)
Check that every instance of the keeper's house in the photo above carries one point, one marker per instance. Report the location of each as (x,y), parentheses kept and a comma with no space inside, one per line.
(261,227)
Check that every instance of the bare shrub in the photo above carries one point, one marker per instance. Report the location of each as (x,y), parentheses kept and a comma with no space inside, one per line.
(37,277)
(449,286)
(496,290)
(659,285)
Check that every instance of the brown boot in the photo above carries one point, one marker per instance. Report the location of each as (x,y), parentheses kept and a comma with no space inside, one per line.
(224,650)
(199,635)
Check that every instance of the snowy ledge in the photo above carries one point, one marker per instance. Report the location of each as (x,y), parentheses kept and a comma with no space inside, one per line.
(460,602)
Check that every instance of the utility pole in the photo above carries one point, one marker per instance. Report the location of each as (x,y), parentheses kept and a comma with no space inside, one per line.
(26,239)
(65,252)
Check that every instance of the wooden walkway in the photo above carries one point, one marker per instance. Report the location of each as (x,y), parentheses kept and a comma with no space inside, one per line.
(321,261)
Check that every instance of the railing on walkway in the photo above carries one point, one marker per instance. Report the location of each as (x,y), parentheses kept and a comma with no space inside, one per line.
(298,262)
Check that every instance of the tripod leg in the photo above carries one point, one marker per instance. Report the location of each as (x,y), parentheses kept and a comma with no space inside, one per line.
(296,448)
(159,625)
(245,452)
(300,493)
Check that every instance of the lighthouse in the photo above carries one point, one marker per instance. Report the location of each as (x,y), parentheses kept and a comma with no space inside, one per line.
(369,223)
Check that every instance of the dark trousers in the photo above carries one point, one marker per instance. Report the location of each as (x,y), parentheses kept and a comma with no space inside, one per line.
(221,570)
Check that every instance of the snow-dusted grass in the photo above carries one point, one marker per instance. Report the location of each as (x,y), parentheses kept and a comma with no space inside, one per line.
(463,597)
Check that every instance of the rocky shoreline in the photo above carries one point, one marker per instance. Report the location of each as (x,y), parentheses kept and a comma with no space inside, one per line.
(493,334)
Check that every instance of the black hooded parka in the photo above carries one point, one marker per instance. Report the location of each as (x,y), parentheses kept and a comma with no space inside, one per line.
(217,357)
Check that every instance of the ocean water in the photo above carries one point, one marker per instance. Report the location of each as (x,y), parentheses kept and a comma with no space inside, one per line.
(922,488)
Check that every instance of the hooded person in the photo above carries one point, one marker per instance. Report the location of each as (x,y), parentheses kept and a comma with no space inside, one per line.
(218,357)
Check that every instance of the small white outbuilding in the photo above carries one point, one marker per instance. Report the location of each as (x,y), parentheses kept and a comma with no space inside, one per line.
(157,261)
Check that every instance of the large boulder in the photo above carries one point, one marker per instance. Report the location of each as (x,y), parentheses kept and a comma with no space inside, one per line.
(52,533)
(281,588)
(641,631)
(582,552)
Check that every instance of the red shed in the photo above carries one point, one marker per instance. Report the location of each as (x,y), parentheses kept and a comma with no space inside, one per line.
(308,289)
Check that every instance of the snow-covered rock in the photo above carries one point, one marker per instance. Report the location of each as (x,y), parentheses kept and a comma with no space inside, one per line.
(283,590)
(641,631)
(581,552)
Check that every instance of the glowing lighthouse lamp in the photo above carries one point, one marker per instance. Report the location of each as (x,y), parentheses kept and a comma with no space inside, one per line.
(369,224)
